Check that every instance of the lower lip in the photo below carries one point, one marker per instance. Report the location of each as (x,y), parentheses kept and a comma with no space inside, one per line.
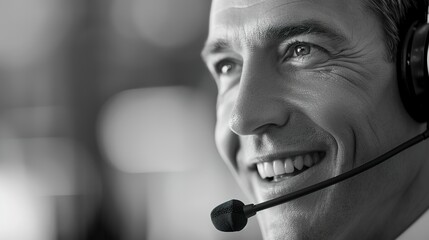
(271,189)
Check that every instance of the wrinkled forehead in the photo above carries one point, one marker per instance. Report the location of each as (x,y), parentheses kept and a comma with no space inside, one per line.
(238,12)
(219,8)
(219,5)
(225,14)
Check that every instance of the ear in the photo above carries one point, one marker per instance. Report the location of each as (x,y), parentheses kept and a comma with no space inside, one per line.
(413,68)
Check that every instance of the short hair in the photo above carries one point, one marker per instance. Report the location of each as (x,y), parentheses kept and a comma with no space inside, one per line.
(396,17)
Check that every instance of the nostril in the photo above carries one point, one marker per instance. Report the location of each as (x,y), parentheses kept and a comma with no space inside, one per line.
(243,125)
(250,125)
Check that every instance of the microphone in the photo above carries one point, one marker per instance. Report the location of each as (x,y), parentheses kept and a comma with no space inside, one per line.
(232,215)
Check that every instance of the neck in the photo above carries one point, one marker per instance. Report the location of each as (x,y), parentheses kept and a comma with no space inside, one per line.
(414,200)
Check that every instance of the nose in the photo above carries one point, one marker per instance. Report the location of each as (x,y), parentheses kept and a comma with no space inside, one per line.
(261,100)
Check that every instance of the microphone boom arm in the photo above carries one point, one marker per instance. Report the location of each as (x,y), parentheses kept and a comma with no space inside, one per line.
(251,209)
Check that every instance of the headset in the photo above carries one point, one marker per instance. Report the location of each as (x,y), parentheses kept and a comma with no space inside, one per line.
(413,69)
(413,82)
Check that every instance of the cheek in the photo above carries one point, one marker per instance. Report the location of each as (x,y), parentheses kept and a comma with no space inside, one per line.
(226,140)
(343,109)
(331,102)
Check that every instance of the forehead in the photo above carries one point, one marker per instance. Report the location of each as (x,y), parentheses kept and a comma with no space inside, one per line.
(218,5)
(261,5)
(245,16)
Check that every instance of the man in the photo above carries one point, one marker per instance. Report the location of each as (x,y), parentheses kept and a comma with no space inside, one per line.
(308,90)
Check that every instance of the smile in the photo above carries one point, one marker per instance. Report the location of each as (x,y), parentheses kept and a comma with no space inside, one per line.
(279,169)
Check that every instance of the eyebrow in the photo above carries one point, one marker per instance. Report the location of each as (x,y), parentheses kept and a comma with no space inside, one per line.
(281,33)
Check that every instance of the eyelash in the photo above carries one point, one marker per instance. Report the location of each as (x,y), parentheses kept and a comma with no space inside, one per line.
(286,56)
(220,64)
(292,47)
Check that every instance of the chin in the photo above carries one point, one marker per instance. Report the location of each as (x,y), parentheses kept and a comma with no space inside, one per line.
(286,222)
(278,227)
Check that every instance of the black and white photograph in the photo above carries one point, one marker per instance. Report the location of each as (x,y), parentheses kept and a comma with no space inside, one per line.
(214,119)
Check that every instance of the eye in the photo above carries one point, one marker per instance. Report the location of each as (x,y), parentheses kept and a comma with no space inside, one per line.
(302,50)
(225,67)
(227,73)
(305,54)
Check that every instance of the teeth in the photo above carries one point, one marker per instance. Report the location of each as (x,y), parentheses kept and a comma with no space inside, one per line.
(268,167)
(308,161)
(280,167)
(261,170)
(289,166)
(298,162)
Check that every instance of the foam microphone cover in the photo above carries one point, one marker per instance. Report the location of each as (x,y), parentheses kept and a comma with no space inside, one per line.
(229,216)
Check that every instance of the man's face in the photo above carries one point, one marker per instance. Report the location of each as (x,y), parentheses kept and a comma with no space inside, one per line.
(306,92)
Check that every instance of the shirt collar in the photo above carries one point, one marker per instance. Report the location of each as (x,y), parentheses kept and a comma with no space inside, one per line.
(418,230)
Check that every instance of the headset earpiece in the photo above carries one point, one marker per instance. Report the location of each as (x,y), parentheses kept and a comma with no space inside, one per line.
(413,69)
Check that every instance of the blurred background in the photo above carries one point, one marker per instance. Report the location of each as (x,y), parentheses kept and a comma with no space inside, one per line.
(107,116)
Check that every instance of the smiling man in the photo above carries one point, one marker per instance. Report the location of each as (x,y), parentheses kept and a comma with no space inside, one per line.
(307,90)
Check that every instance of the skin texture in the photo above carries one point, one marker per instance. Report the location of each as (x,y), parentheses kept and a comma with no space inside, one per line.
(339,96)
